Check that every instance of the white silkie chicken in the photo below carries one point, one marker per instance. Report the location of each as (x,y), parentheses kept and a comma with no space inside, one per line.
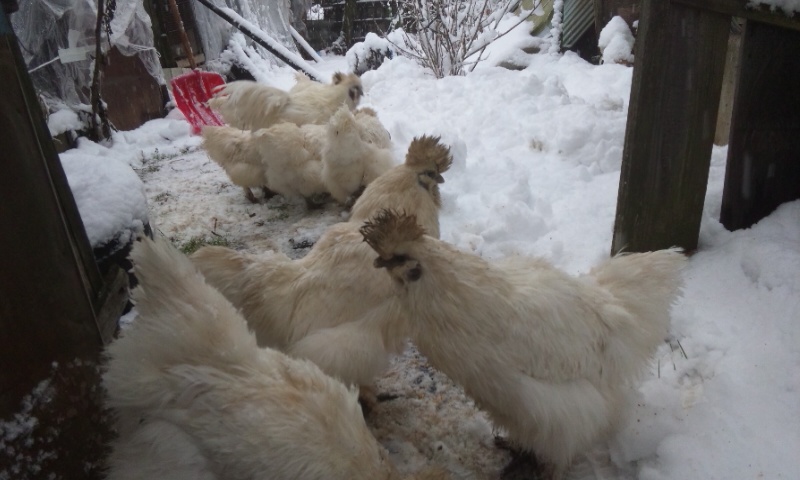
(350,163)
(549,356)
(425,162)
(298,156)
(372,130)
(249,105)
(284,158)
(196,398)
(331,305)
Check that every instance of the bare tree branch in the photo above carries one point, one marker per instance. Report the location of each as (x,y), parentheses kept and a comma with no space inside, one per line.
(443,34)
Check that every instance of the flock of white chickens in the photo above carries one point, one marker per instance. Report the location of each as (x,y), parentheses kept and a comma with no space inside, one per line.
(248,366)
(305,143)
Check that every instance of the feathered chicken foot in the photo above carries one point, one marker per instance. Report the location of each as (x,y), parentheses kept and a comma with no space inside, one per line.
(249,195)
(367,398)
(316,201)
(524,465)
(267,192)
(252,197)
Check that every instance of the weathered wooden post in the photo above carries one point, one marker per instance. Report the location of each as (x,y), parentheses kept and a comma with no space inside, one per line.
(51,296)
(348,21)
(674,100)
(764,148)
(48,273)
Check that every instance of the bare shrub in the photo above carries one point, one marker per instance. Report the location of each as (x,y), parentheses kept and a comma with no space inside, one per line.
(450,36)
(369,54)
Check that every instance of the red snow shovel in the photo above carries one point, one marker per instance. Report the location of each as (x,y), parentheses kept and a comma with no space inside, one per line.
(193,89)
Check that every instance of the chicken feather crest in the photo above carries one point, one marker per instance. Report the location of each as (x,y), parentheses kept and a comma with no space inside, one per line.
(389,228)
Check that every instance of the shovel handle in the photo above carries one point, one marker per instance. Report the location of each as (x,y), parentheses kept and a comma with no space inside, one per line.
(187,47)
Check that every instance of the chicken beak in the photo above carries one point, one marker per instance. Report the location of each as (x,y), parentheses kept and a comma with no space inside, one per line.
(439,178)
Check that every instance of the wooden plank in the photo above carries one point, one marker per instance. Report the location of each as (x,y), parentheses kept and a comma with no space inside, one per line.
(113,299)
(764,150)
(49,275)
(157,14)
(126,78)
(738,8)
(48,336)
(670,130)
(732,60)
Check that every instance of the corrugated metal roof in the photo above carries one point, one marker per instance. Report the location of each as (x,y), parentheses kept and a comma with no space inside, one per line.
(578,17)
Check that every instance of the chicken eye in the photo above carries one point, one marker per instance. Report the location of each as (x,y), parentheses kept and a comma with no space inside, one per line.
(356,92)
(391,263)
(414,274)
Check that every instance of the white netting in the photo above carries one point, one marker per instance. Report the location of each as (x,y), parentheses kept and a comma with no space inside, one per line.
(45,26)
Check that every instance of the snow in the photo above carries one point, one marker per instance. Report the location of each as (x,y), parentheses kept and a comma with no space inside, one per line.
(273,44)
(536,172)
(557,26)
(109,194)
(62,121)
(616,41)
(369,54)
(790,7)
(316,12)
(24,422)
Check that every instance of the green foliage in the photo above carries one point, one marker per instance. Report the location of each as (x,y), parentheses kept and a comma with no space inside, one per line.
(195,243)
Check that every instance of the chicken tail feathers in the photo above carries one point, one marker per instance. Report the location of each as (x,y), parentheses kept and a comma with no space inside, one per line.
(645,285)
(228,146)
(222,267)
(643,280)
(181,321)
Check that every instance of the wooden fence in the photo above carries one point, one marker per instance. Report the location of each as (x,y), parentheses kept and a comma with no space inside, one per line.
(369,16)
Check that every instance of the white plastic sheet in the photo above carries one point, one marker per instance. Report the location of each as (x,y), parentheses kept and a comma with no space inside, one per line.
(271,16)
(44,27)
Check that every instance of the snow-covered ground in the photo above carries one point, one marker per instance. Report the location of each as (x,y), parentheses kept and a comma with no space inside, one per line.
(536,172)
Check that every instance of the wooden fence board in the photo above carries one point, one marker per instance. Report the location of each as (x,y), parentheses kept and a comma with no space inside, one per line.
(674,100)
(49,273)
(764,151)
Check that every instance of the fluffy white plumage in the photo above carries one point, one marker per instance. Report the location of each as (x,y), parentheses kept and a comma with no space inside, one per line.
(330,306)
(284,157)
(237,152)
(197,399)
(349,163)
(549,356)
(303,160)
(250,105)
(372,130)
(427,158)
(294,166)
